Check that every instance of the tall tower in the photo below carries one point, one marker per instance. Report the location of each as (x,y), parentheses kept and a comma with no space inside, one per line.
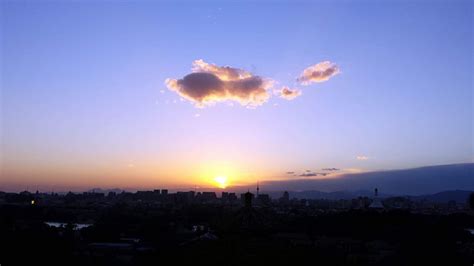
(376,202)
(258,189)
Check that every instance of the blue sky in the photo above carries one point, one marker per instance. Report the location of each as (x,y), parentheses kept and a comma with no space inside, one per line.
(84,99)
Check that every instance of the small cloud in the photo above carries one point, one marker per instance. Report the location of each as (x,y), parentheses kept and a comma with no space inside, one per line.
(330,169)
(209,84)
(309,174)
(197,115)
(290,173)
(289,94)
(318,73)
(362,158)
(162,91)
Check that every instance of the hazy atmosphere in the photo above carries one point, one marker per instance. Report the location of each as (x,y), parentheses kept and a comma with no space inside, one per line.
(137,95)
(230,133)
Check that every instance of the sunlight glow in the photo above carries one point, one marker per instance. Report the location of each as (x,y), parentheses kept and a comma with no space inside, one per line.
(221,181)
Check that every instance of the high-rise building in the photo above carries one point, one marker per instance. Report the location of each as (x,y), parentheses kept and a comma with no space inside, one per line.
(285,197)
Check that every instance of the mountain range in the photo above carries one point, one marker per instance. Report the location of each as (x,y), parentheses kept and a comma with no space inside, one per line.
(413,182)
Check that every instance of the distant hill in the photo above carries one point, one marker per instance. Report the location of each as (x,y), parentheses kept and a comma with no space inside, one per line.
(460,196)
(314,194)
(415,181)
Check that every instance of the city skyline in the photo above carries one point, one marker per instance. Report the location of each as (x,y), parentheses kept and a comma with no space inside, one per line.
(146,95)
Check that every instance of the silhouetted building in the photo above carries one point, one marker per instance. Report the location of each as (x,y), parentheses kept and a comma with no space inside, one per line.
(225,197)
(228,197)
(145,195)
(208,196)
(185,197)
(263,199)
(376,203)
(285,198)
(247,199)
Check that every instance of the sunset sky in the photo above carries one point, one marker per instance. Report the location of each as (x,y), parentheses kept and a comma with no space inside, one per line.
(98,94)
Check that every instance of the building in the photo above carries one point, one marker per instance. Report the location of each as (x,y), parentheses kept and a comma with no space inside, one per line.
(263,199)
(376,203)
(285,198)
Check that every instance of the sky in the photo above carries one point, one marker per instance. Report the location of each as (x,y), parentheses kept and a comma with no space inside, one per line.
(158,94)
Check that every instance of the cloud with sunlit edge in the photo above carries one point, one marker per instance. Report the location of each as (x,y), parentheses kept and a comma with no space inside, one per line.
(289,94)
(209,84)
(318,73)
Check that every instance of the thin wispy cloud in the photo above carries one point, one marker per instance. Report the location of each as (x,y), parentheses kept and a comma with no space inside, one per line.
(330,169)
(318,73)
(324,173)
(362,158)
(310,173)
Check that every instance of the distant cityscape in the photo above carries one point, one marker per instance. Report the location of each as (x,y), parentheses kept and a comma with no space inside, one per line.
(182,227)
(446,202)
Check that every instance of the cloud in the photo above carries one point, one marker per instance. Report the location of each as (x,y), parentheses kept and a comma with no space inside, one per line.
(289,94)
(362,158)
(209,84)
(318,73)
(330,169)
(290,173)
(309,173)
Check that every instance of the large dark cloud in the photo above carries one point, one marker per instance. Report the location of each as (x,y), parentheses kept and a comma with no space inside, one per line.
(210,84)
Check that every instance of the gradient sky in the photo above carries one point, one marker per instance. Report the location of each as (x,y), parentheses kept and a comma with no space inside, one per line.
(84,103)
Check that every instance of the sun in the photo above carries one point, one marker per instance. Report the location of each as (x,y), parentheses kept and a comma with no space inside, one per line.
(221,181)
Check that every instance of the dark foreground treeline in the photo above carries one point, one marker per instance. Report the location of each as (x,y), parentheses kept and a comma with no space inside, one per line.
(218,235)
